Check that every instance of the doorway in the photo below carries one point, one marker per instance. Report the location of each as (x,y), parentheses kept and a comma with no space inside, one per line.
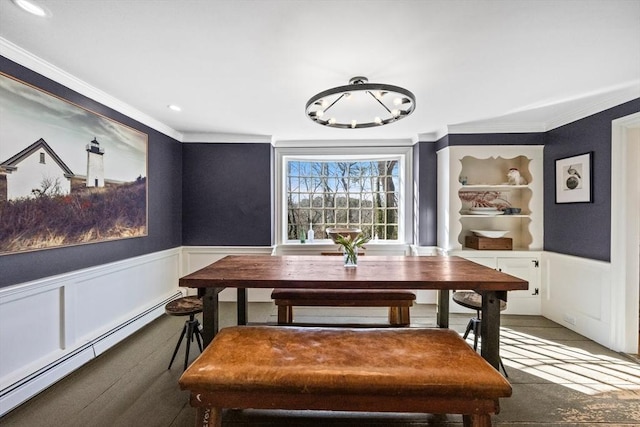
(625,234)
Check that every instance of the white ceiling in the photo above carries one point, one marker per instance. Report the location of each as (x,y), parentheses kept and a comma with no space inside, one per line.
(248,67)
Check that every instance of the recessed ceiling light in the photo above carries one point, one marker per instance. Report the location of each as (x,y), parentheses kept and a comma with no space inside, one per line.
(174,107)
(32,8)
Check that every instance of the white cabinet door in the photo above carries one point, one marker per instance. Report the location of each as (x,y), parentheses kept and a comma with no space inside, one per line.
(526,268)
(523,267)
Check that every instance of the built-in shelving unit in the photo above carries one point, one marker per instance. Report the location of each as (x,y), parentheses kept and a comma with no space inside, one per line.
(476,176)
(476,194)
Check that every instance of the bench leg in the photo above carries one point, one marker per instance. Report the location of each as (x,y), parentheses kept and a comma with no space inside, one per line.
(399,316)
(208,417)
(285,314)
(476,420)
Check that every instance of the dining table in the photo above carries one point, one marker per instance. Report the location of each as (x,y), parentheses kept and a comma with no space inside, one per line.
(440,273)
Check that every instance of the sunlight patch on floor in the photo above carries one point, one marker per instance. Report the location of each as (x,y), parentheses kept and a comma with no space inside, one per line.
(571,367)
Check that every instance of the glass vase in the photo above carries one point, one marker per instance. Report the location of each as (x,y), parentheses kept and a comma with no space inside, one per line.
(350,259)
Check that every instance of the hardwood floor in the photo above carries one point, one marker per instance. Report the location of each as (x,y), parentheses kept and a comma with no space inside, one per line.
(559,379)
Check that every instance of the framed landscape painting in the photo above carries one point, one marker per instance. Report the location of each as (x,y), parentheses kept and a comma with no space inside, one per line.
(574,178)
(67,175)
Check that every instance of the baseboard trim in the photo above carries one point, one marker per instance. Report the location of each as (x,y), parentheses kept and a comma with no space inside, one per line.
(27,387)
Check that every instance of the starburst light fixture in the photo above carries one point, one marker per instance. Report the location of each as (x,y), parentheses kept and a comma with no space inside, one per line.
(360,104)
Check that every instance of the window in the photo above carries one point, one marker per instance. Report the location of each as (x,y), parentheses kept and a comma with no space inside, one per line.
(41,157)
(354,189)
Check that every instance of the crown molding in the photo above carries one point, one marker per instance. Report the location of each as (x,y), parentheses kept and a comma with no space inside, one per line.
(221,138)
(624,93)
(600,102)
(317,143)
(431,136)
(19,55)
(497,127)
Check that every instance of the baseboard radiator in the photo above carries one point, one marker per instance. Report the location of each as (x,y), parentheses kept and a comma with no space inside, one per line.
(27,387)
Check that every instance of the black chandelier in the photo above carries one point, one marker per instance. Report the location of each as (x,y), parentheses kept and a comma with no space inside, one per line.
(360,104)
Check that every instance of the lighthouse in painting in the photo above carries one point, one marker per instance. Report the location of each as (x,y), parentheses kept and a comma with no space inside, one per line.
(95,164)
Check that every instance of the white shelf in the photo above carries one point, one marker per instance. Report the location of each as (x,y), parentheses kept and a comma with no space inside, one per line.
(485,169)
(472,187)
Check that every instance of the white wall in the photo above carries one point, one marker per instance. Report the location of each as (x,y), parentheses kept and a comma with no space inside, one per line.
(52,326)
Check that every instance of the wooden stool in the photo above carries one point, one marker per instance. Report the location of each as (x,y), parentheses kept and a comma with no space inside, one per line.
(186,306)
(473,300)
(343,369)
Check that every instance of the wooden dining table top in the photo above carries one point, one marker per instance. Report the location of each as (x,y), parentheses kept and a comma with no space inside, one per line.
(372,272)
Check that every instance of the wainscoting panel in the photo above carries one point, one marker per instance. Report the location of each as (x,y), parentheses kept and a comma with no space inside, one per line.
(52,326)
(576,293)
(31,331)
(197,257)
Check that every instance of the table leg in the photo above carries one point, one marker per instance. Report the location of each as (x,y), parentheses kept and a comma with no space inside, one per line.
(243,306)
(490,326)
(210,315)
(442,309)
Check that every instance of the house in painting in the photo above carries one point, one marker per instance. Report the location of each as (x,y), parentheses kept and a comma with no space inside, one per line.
(34,170)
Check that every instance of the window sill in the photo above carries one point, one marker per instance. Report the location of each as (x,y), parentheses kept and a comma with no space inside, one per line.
(317,247)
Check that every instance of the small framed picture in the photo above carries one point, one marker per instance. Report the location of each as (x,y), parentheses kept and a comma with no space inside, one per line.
(573,179)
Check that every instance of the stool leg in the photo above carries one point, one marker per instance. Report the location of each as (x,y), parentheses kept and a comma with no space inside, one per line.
(476,333)
(175,351)
(189,339)
(503,369)
(469,327)
(198,334)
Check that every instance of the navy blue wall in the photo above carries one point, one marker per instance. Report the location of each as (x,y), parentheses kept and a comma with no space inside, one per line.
(227,193)
(425,172)
(221,194)
(582,229)
(490,139)
(164,195)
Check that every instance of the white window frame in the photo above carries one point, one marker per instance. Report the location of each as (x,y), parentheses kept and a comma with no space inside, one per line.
(404,155)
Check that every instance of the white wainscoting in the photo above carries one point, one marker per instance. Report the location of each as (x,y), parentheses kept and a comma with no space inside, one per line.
(52,326)
(197,257)
(576,293)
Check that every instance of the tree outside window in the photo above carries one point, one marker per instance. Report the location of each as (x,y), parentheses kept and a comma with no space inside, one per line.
(355,193)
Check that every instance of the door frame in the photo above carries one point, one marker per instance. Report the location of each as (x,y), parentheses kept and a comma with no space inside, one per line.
(625,232)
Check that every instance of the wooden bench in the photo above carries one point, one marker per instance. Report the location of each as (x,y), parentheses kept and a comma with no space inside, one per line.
(398,301)
(343,369)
